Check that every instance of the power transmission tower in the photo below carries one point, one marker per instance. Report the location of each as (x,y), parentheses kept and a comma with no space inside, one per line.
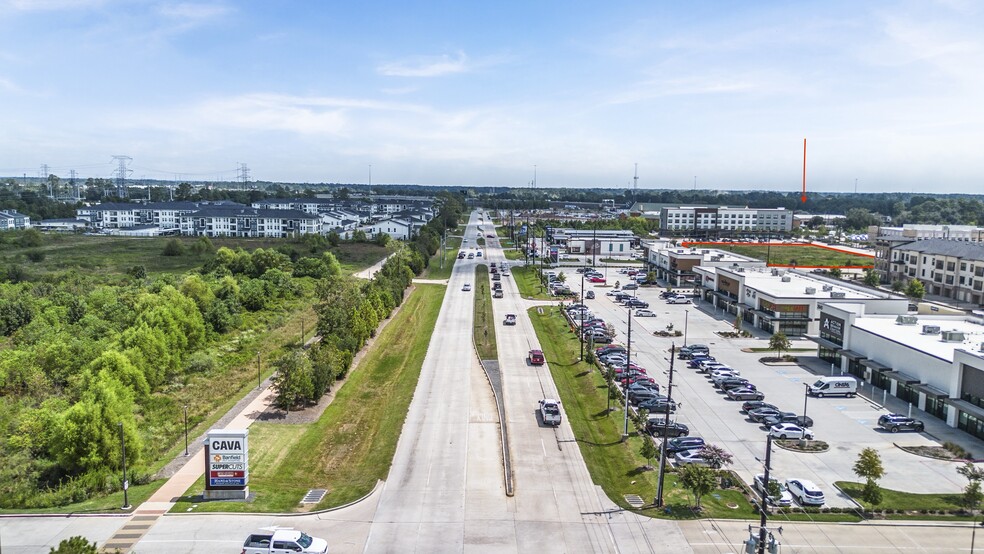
(43,173)
(244,176)
(72,183)
(635,182)
(121,174)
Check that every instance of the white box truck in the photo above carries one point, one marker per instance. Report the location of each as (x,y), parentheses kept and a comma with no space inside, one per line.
(834,386)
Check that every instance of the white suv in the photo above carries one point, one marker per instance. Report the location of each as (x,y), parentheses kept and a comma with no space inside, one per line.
(805,492)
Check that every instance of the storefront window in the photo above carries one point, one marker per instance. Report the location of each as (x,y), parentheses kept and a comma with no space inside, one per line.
(971,424)
(879,380)
(828,355)
(936,407)
(906,393)
(855,368)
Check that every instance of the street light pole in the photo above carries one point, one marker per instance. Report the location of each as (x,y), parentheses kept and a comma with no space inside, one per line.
(582,326)
(806,396)
(686,323)
(126,484)
(186,429)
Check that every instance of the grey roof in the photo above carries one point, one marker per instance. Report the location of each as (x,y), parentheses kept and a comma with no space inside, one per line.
(113,207)
(65,220)
(243,211)
(176,205)
(946,247)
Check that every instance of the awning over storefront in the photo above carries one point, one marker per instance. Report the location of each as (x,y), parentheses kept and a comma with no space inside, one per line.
(823,342)
(852,355)
(875,366)
(771,317)
(901,377)
(931,391)
(965,406)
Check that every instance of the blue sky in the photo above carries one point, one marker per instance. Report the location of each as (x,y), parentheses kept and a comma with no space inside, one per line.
(478,93)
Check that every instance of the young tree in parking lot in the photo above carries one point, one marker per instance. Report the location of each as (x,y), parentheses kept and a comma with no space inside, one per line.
(869,467)
(836,272)
(972,495)
(649,451)
(780,343)
(716,456)
(699,480)
(75,545)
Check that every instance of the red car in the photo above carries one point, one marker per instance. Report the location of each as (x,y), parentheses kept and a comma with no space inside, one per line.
(536,357)
(596,279)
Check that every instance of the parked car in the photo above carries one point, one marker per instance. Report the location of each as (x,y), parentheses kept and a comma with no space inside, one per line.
(678,299)
(755,405)
(657,427)
(760,414)
(789,417)
(687,352)
(694,361)
(744,393)
(784,499)
(790,431)
(610,349)
(666,294)
(644,313)
(630,286)
(589,295)
(636,396)
(732,383)
(658,405)
(680,444)
(636,303)
(805,492)
(536,357)
(694,456)
(899,422)
(644,386)
(596,279)
(613,292)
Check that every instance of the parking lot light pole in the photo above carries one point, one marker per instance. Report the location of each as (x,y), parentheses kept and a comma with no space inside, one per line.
(806,396)
(126,484)
(186,429)
(686,321)
(582,303)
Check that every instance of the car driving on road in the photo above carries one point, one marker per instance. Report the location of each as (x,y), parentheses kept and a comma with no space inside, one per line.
(536,357)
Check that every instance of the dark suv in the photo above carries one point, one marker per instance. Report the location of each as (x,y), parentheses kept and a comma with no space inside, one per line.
(788,417)
(680,444)
(899,422)
(673,429)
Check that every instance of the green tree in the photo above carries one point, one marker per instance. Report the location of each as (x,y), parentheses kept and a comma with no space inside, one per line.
(649,451)
(173,248)
(898,286)
(972,495)
(292,383)
(871,278)
(75,545)
(699,480)
(381,239)
(915,289)
(869,467)
(835,272)
(780,343)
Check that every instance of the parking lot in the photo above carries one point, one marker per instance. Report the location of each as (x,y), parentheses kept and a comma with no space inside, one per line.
(847,424)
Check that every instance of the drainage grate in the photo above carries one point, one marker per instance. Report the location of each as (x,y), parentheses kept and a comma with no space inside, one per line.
(314,496)
(634,500)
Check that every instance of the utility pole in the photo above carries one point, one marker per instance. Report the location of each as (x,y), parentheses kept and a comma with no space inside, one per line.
(244,176)
(581,330)
(43,173)
(764,534)
(666,422)
(625,385)
(73,184)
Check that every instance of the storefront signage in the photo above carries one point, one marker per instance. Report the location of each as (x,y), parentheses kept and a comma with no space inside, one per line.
(832,326)
(227,460)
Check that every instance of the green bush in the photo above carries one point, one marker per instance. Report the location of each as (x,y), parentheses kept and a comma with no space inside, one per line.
(173,248)
(35,256)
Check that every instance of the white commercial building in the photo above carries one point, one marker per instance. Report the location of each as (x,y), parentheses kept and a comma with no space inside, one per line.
(934,362)
(728,220)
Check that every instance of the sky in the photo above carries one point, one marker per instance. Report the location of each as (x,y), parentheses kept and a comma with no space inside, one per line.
(714,95)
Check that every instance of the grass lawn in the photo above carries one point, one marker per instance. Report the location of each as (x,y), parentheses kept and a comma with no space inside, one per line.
(614,465)
(433,270)
(528,283)
(99,255)
(510,253)
(800,255)
(483,329)
(101,504)
(912,502)
(352,445)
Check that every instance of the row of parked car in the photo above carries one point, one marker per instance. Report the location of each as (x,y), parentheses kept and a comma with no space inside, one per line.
(782,425)
(588,326)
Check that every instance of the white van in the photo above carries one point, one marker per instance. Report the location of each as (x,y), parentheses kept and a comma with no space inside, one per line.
(832,386)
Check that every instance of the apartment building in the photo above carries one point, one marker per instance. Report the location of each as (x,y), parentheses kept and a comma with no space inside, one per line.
(726,220)
(946,267)
(12,219)
(242,221)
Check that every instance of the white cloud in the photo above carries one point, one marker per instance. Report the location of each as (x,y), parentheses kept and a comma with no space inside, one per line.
(426,66)
(49,5)
(193,12)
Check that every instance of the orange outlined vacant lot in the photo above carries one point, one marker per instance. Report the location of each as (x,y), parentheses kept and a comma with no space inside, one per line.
(804,256)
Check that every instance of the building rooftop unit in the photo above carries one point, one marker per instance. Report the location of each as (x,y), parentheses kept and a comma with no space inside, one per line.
(969,334)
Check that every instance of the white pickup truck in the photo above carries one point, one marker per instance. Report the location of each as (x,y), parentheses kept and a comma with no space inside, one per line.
(550,411)
(283,541)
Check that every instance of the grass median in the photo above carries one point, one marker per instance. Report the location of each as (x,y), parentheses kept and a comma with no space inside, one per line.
(484,321)
(528,283)
(352,445)
(614,465)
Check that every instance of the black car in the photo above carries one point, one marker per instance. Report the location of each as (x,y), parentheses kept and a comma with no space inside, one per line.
(762,413)
(656,428)
(636,303)
(899,422)
(688,352)
(680,444)
(695,360)
(788,417)
(637,396)
(755,405)
(658,405)
(731,382)
(666,294)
